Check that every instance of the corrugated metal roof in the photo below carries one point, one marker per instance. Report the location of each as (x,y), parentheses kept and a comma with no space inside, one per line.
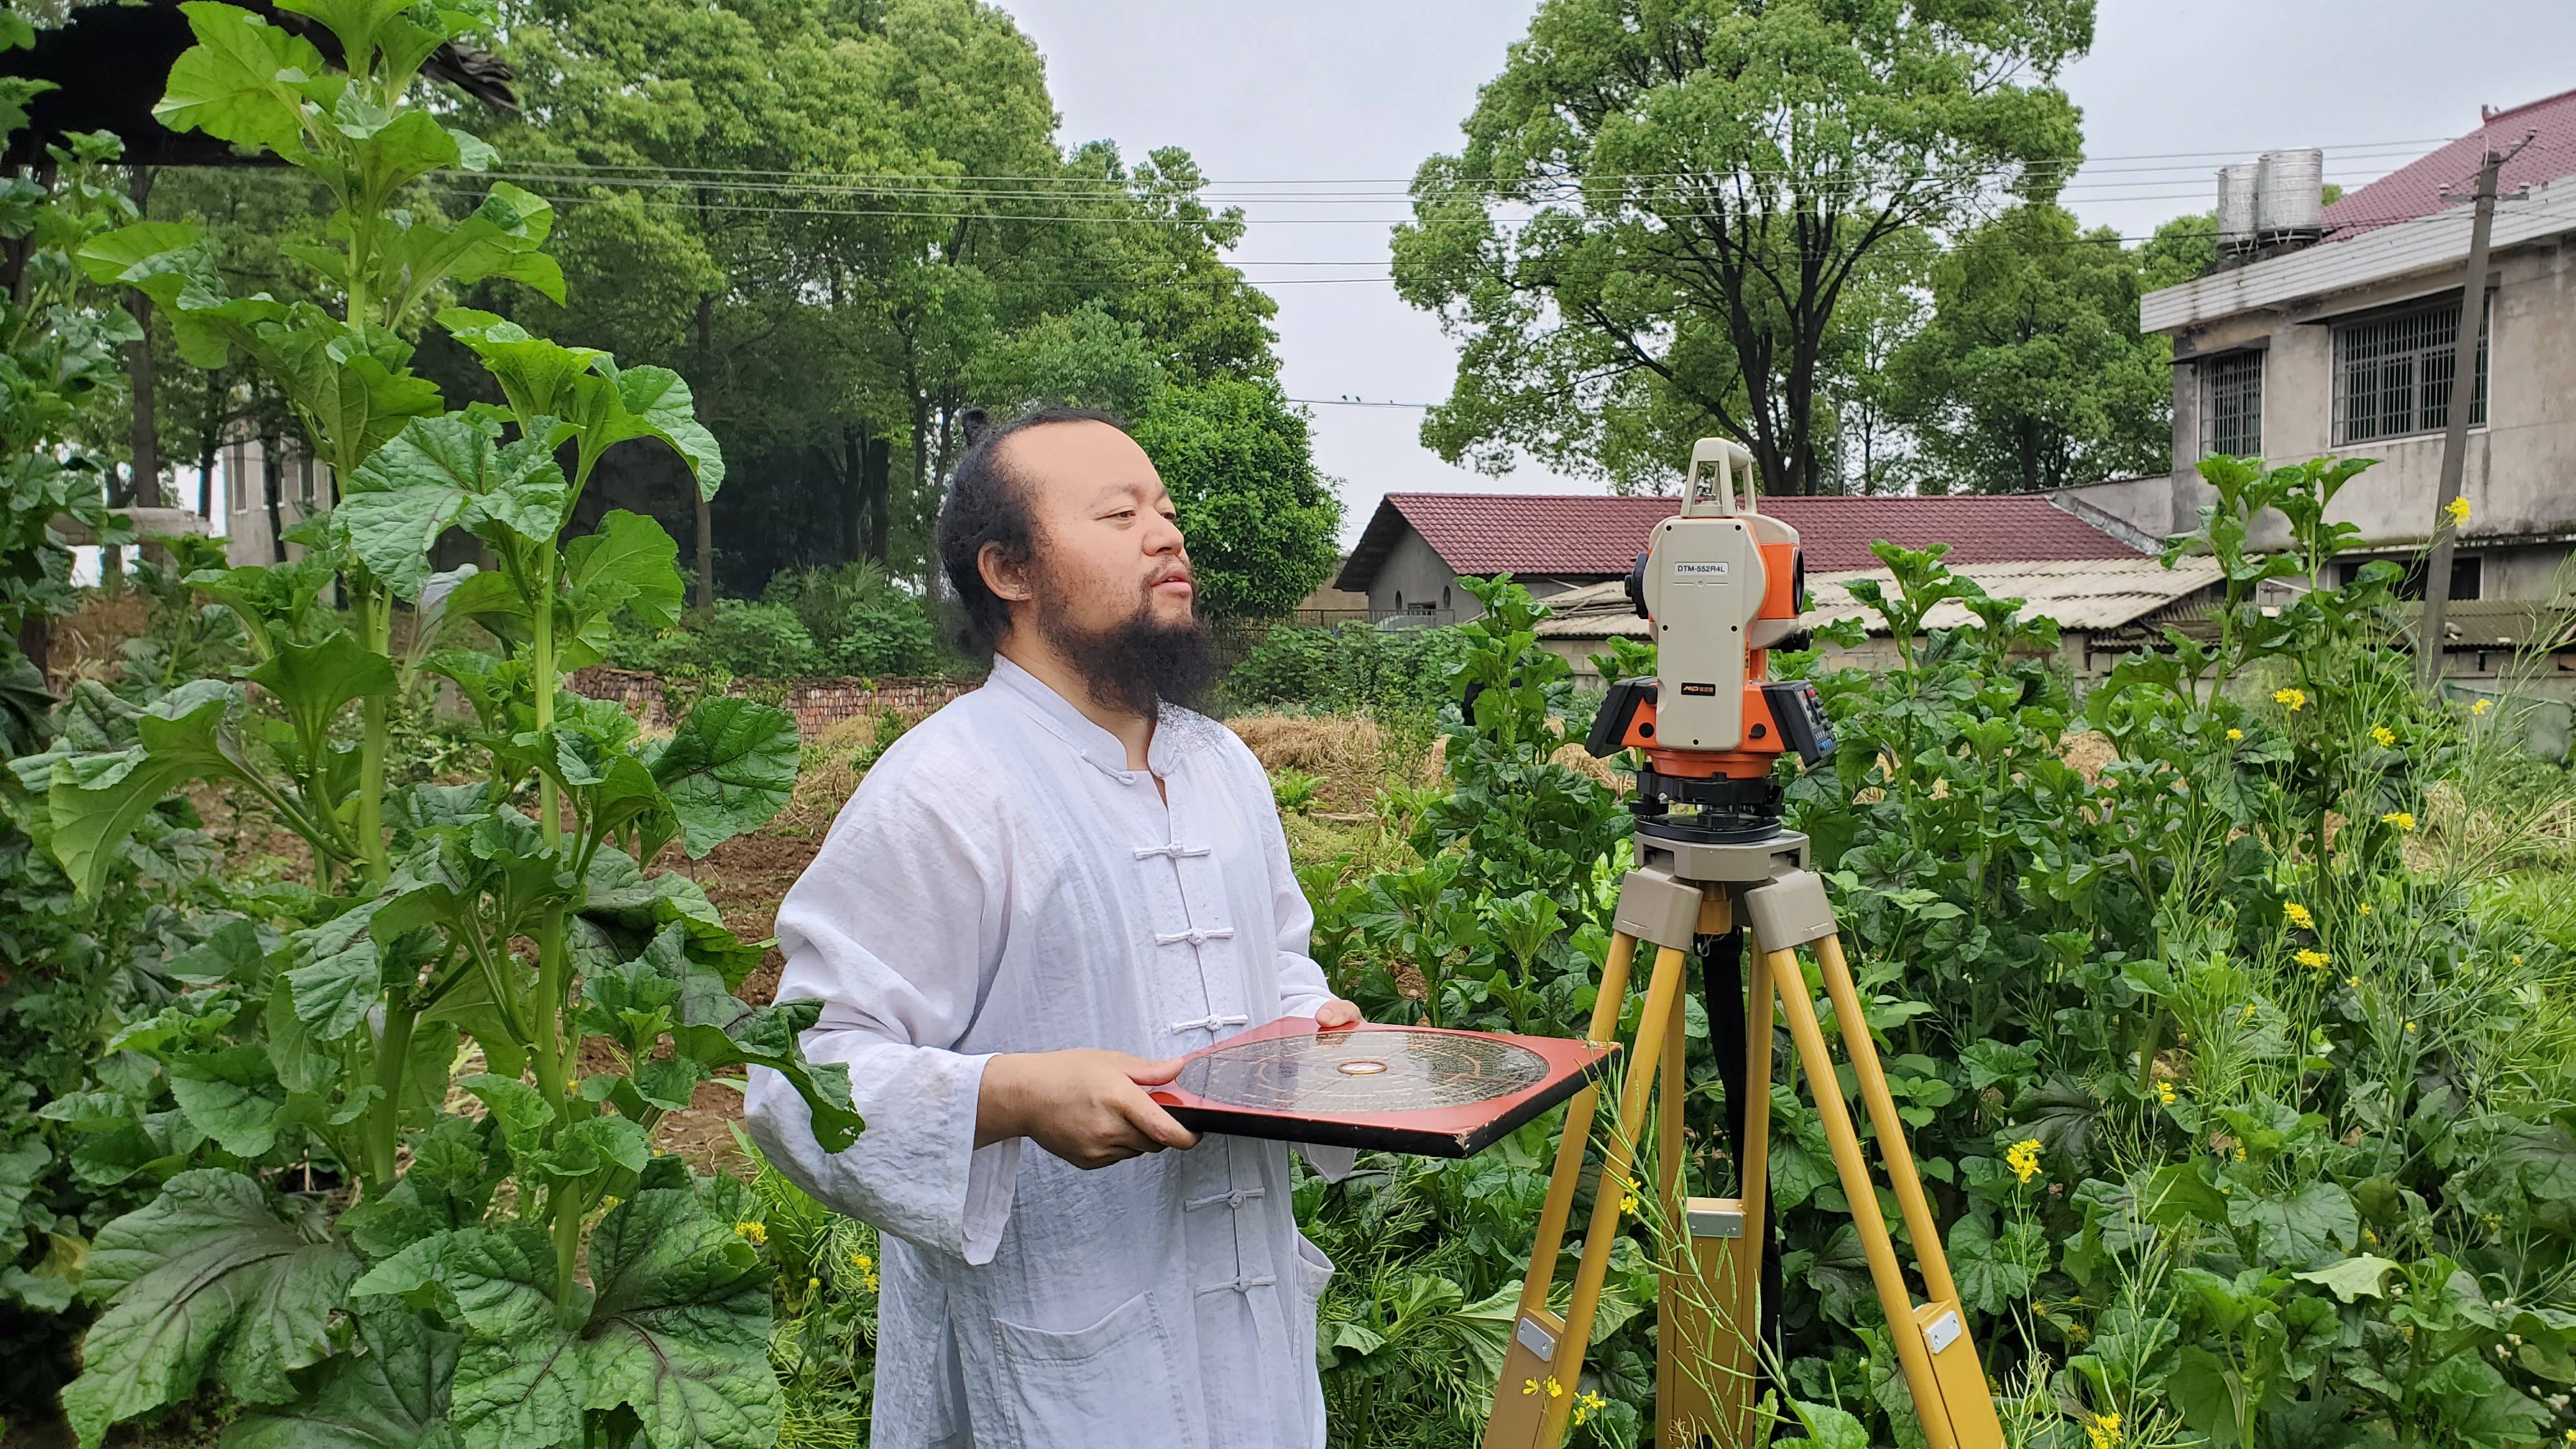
(2079,594)
(1596,535)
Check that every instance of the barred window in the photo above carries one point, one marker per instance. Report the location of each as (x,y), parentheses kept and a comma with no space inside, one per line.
(2393,373)
(2231,405)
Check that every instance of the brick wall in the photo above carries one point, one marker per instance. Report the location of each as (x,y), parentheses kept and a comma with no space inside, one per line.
(818,704)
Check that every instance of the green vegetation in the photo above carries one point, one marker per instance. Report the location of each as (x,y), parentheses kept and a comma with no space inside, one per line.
(2240,1083)
(352,1254)
(1347,668)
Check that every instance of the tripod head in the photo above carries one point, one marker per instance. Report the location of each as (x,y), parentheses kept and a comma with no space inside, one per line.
(1723,584)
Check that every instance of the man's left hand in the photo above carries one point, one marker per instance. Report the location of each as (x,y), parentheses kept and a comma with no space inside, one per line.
(1337,1013)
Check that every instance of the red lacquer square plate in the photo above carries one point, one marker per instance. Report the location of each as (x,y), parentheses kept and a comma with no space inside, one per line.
(1424,1091)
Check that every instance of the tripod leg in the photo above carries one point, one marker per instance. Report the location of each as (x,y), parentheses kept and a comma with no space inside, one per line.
(1516,1419)
(1757,1262)
(1875,1243)
(1663,1001)
(1892,1147)
(1968,1401)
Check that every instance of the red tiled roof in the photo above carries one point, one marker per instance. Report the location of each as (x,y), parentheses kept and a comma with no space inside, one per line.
(1595,536)
(2415,189)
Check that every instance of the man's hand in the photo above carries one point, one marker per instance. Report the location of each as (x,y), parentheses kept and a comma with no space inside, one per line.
(1087,1107)
(1337,1012)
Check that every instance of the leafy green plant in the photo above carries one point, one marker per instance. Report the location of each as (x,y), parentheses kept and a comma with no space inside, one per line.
(473,1288)
(1293,790)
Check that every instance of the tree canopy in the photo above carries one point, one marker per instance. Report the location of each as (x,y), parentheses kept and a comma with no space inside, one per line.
(1659,208)
(2030,372)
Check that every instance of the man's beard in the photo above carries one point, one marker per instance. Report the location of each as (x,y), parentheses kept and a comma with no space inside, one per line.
(1135,665)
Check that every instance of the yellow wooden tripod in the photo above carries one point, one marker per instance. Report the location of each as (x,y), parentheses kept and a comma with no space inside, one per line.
(1684,890)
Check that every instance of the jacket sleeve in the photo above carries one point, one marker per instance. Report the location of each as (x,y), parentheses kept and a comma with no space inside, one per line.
(896,928)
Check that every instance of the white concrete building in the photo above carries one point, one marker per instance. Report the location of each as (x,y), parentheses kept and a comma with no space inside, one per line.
(2336,339)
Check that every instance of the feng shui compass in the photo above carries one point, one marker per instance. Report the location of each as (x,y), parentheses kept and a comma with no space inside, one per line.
(1420,1090)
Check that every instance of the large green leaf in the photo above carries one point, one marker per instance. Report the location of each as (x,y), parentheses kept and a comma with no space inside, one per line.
(680,1331)
(520,1381)
(202,1280)
(1994,1272)
(340,974)
(537,376)
(630,561)
(2350,1278)
(503,238)
(646,402)
(232,1095)
(726,769)
(389,1392)
(2314,1222)
(354,386)
(241,82)
(97,800)
(444,472)
(719,1029)
(314,682)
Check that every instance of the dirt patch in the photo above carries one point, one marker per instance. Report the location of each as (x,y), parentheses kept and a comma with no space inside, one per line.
(84,644)
(2088,753)
(1352,757)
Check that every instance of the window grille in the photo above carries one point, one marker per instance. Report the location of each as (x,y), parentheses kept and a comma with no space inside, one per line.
(2393,373)
(2231,405)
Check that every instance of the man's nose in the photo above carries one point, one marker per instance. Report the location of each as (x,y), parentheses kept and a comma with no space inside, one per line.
(1163,536)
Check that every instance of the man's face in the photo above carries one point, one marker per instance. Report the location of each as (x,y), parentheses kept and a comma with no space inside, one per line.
(1108,545)
(1107,585)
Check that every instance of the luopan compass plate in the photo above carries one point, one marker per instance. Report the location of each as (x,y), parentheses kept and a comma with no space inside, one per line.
(1426,1091)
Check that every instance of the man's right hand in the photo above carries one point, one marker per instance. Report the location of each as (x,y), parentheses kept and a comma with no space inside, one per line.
(1087,1107)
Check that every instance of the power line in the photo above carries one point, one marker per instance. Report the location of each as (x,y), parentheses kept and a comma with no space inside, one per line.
(1024,178)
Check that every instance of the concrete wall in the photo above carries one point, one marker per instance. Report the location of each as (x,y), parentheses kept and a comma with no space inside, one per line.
(1413,575)
(2520,466)
(301,492)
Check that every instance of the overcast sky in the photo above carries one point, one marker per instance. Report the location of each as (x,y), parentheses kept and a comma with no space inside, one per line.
(1272,98)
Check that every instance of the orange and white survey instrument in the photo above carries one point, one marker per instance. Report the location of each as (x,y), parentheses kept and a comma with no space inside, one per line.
(1719,878)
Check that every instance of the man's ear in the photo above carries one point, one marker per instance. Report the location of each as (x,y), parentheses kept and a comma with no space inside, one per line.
(1008,580)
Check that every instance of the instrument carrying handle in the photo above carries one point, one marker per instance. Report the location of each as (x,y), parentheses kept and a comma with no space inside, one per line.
(1730,490)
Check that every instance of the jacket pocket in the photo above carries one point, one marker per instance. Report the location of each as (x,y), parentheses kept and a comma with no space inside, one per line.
(1113,1382)
(1314,1274)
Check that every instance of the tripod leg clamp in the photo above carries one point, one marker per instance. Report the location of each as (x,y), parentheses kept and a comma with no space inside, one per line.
(1789,910)
(1655,908)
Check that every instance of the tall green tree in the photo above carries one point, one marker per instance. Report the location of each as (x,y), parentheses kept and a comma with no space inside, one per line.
(854,222)
(1661,203)
(1261,523)
(2031,372)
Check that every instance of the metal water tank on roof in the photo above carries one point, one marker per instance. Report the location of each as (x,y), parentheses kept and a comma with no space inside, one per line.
(2289,192)
(2236,205)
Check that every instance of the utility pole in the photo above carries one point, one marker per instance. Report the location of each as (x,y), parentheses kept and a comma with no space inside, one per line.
(2429,638)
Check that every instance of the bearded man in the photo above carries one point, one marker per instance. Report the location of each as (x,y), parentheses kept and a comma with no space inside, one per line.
(1037,900)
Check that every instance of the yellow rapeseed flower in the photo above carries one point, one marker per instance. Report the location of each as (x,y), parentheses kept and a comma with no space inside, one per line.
(2364,908)
(2481,707)
(2383,735)
(2299,915)
(1555,1390)
(752,1232)
(1529,1386)
(2457,510)
(2404,820)
(2293,700)
(2023,1158)
(1588,1403)
(2235,734)
(2410,1026)
(2105,1432)
(2313,959)
(2165,1093)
